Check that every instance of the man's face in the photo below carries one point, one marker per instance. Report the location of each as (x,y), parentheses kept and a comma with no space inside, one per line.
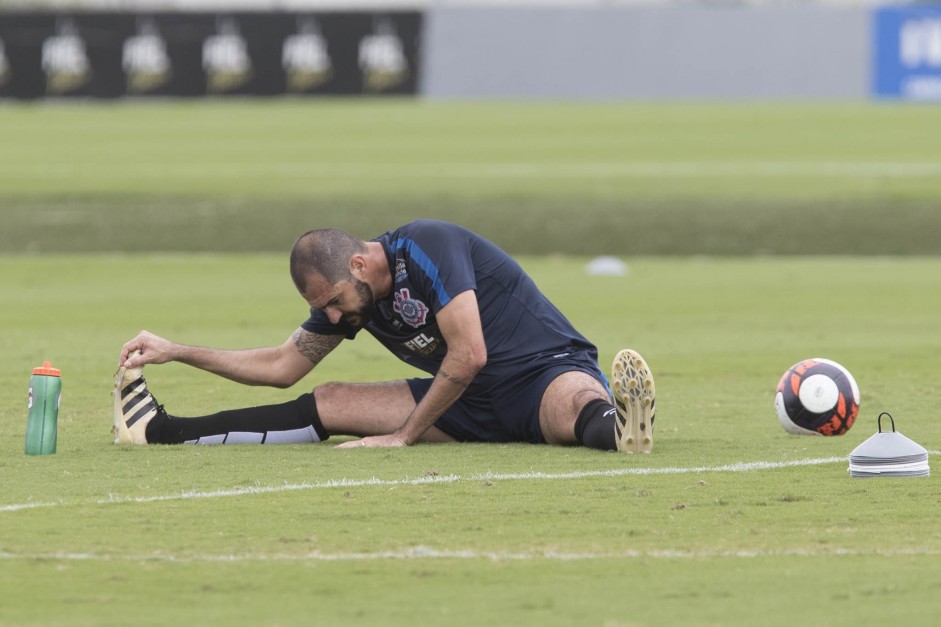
(351,300)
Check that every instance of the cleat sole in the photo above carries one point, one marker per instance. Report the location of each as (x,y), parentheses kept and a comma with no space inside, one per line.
(635,401)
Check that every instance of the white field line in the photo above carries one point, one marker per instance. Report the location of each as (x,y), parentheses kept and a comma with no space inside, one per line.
(422,552)
(509,170)
(356,483)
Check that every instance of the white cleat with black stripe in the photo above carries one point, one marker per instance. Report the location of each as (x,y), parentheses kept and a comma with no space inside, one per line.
(134,405)
(634,398)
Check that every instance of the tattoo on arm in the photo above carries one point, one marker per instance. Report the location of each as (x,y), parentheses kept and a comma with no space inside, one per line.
(313,346)
(458,381)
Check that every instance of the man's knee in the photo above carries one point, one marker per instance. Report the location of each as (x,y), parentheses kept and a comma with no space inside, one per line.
(327,393)
(564,400)
(571,391)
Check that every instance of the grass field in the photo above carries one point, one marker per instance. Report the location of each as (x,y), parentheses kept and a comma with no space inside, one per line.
(729,522)
(575,179)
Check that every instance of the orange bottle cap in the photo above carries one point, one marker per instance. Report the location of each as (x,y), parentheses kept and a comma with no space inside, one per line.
(47,370)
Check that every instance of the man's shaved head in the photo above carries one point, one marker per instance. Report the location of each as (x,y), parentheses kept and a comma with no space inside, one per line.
(326,252)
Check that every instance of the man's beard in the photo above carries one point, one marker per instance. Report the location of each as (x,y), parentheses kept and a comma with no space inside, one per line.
(367,305)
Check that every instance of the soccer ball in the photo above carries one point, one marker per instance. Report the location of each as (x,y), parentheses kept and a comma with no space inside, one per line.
(817,397)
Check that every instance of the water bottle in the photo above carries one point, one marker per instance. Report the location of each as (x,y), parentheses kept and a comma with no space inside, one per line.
(45,391)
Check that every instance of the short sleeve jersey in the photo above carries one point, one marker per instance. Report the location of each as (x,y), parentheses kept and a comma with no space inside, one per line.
(432,262)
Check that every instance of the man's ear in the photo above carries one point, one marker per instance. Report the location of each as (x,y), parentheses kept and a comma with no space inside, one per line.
(358,266)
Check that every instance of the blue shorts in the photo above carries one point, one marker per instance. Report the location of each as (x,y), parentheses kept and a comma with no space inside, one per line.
(510,412)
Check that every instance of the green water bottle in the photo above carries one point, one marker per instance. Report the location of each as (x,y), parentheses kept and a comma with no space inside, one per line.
(45,391)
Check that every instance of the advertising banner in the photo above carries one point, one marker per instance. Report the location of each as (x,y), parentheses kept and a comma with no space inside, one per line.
(111,55)
(907,52)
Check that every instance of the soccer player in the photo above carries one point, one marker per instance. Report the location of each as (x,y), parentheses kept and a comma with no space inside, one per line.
(505,365)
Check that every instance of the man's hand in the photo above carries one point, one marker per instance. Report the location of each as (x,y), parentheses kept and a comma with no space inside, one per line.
(154,350)
(376,441)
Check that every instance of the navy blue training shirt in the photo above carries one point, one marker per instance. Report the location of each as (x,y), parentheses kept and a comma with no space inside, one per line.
(431,263)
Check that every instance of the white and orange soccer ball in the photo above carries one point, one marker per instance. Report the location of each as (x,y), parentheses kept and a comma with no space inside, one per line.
(817,397)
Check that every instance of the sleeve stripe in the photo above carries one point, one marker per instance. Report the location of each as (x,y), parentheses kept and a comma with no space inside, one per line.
(426,264)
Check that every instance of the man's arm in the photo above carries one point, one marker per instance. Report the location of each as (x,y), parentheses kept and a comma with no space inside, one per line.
(459,323)
(278,366)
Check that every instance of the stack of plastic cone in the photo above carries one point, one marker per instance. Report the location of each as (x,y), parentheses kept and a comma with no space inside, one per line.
(889,454)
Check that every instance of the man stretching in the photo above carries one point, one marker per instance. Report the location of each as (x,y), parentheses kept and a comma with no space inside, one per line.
(505,365)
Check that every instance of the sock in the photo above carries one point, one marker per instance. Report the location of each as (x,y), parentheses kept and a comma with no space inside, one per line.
(286,423)
(594,426)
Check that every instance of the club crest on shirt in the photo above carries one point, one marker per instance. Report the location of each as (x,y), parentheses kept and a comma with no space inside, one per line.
(413,311)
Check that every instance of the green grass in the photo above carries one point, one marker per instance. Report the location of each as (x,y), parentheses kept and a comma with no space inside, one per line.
(469,534)
(756,236)
(552,178)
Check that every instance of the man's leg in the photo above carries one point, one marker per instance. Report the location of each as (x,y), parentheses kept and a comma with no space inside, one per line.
(562,403)
(365,409)
(333,409)
(576,408)
(293,422)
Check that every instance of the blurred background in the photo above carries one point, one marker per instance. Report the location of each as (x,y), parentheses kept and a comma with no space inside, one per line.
(732,127)
(443,49)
